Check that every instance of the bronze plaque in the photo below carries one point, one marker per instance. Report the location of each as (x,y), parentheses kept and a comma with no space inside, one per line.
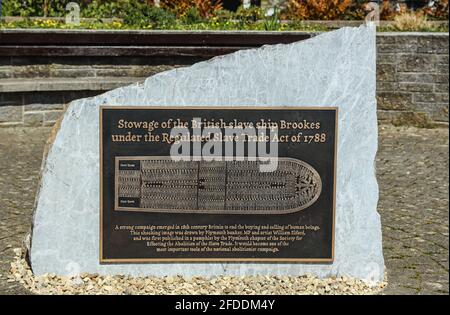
(217,206)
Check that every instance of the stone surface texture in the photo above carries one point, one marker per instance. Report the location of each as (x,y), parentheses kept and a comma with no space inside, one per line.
(412,84)
(333,69)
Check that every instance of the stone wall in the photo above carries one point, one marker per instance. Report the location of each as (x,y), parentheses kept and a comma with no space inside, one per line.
(36,92)
(412,80)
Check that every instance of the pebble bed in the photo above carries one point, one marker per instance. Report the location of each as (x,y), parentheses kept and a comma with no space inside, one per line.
(122,285)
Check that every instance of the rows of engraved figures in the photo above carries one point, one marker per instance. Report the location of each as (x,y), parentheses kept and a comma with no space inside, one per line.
(219,185)
(211,174)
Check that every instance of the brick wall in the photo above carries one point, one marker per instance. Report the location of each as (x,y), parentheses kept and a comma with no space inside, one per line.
(412,75)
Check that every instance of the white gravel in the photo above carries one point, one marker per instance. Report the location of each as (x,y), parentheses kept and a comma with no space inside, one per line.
(265,285)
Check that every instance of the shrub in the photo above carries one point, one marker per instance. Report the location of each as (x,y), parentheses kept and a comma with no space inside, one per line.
(317,9)
(389,9)
(102,9)
(411,21)
(142,15)
(206,8)
(192,16)
(439,10)
(35,8)
(137,13)
(249,15)
(272,23)
(357,10)
(224,15)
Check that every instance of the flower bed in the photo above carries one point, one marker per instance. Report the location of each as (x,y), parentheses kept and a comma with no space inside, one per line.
(210,15)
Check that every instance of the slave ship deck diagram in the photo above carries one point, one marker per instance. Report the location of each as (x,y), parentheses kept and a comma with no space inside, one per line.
(160,184)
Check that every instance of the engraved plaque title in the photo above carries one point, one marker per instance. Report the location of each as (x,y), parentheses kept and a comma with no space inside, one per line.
(176,187)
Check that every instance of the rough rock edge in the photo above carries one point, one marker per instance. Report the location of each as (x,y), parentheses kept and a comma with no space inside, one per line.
(26,244)
(92,284)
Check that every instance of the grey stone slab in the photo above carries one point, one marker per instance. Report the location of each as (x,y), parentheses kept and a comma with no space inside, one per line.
(333,69)
(34,119)
(63,84)
(10,113)
(42,107)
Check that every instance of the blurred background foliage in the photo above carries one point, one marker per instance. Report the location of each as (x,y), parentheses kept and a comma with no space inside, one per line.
(211,14)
